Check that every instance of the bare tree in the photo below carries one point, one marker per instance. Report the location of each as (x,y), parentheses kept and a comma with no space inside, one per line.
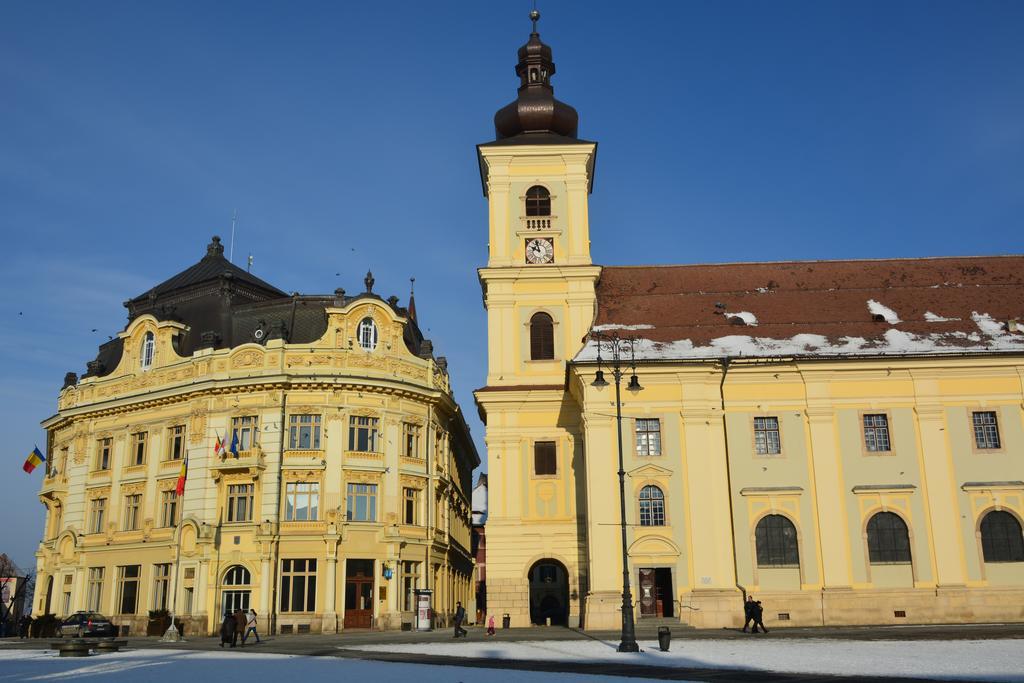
(15,594)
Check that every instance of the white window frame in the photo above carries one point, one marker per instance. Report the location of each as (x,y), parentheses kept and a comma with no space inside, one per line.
(366,334)
(148,351)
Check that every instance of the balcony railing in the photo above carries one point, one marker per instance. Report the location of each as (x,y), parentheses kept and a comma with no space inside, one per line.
(538,222)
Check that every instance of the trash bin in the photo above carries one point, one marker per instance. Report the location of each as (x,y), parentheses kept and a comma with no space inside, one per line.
(664,638)
(506,621)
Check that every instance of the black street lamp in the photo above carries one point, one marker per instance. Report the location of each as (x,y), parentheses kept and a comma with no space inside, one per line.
(617,347)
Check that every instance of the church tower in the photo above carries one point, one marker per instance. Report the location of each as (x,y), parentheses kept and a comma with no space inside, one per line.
(538,288)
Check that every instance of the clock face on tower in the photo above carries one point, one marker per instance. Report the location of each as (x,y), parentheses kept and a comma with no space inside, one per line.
(540,250)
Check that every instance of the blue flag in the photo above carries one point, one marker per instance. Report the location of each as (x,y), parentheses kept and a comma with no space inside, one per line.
(234,444)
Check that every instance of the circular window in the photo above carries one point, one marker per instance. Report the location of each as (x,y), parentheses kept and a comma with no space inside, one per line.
(367,334)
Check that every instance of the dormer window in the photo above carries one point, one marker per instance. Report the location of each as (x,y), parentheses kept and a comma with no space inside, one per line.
(367,334)
(148,350)
(538,201)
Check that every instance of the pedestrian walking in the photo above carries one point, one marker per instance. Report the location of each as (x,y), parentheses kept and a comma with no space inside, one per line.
(250,625)
(227,629)
(490,625)
(25,626)
(748,612)
(240,622)
(758,612)
(460,616)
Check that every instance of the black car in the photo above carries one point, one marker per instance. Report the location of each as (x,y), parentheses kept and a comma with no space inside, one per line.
(87,624)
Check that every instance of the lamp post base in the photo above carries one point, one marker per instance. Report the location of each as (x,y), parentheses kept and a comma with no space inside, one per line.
(629,646)
(171,635)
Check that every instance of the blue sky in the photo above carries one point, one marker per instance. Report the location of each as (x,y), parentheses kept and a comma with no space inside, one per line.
(344,136)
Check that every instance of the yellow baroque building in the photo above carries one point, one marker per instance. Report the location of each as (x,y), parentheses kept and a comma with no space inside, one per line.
(842,440)
(343,486)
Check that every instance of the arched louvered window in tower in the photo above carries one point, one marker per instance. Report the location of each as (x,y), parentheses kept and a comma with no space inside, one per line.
(888,539)
(542,337)
(775,538)
(538,201)
(1001,537)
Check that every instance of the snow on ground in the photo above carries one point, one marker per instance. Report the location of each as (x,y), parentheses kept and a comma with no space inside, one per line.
(133,666)
(988,660)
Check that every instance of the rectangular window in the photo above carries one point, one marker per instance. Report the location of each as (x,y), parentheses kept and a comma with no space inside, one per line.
(301,501)
(876,433)
(545,460)
(97,513)
(187,606)
(986,429)
(168,508)
(766,436)
(410,572)
(128,588)
(304,432)
(103,451)
(138,452)
(161,585)
(132,511)
(176,442)
(410,506)
(94,593)
(240,502)
(298,585)
(410,440)
(247,430)
(648,436)
(362,434)
(361,505)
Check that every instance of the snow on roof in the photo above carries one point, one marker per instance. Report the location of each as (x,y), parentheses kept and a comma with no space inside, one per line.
(935,318)
(883,312)
(816,308)
(745,318)
(990,337)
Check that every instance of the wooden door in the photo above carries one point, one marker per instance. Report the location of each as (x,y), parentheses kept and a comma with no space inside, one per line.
(648,594)
(359,601)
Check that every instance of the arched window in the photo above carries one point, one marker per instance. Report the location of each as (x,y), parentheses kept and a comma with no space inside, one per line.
(652,506)
(542,337)
(237,576)
(888,539)
(538,201)
(148,349)
(775,537)
(367,334)
(1001,537)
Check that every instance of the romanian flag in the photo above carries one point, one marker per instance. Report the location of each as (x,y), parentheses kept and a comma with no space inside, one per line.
(33,460)
(182,476)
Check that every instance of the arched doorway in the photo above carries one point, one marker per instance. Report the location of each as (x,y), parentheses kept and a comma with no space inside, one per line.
(49,595)
(237,589)
(549,593)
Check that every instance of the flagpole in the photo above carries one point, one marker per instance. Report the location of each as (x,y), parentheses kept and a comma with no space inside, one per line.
(172,635)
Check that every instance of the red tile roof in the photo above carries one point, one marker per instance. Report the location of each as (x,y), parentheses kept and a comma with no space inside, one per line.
(828,298)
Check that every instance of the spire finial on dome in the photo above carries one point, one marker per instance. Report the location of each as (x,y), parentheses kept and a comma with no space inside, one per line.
(368,281)
(215,248)
(535,110)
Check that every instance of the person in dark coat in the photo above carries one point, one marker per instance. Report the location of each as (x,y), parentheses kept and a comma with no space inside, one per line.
(758,612)
(240,620)
(227,629)
(25,625)
(460,616)
(748,612)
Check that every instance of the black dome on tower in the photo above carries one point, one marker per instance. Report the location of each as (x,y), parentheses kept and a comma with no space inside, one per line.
(535,110)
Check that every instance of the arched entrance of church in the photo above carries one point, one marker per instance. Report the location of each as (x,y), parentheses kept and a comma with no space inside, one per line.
(549,593)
